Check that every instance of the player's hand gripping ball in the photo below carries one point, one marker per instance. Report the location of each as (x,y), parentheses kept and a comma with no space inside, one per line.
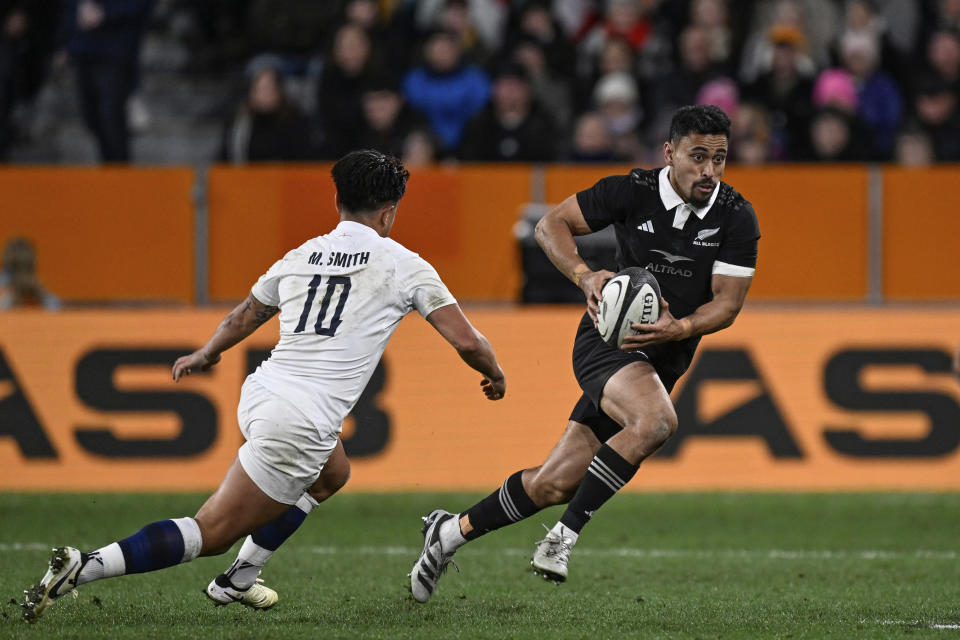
(630,297)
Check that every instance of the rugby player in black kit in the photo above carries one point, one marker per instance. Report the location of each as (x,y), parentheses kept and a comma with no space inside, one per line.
(698,236)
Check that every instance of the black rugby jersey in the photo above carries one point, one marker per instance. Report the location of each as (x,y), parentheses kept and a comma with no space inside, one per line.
(681,259)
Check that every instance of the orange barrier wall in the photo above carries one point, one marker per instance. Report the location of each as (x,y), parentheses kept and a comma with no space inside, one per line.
(124,233)
(460,220)
(105,234)
(921,224)
(782,400)
(813,221)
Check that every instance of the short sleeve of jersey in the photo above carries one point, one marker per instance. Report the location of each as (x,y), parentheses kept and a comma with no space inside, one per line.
(267,288)
(421,287)
(739,246)
(605,202)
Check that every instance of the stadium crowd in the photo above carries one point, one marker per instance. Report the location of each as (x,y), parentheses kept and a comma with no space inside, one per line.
(518,80)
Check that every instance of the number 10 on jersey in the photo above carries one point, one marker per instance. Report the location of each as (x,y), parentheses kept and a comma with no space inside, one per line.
(333,282)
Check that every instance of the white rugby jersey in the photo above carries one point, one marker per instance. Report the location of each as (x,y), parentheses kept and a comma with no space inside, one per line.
(341,296)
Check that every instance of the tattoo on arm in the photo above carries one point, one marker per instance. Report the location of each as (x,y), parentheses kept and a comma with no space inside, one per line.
(261,312)
(266,314)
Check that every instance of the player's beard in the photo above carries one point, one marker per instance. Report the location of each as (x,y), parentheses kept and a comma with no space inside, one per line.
(696,199)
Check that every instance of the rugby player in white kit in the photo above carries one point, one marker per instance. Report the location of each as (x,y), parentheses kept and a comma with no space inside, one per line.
(340,297)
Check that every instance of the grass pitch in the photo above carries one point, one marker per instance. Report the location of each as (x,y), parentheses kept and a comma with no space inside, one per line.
(649,566)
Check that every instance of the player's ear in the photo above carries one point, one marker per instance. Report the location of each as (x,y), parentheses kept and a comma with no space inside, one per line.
(668,153)
(336,200)
(387,215)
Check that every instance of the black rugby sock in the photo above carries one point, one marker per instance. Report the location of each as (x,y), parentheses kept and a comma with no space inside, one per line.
(509,504)
(607,474)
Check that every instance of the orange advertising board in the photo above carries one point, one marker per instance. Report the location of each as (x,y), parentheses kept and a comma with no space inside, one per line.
(834,398)
(105,233)
(456,218)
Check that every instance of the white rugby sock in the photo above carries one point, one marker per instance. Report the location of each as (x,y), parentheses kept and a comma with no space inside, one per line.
(105,562)
(451,538)
(243,573)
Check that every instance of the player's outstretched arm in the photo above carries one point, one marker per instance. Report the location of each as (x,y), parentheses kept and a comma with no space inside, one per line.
(729,293)
(472,347)
(555,233)
(237,325)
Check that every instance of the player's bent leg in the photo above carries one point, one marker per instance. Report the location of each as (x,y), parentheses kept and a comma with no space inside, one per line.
(236,508)
(636,399)
(240,582)
(522,494)
(333,477)
(555,481)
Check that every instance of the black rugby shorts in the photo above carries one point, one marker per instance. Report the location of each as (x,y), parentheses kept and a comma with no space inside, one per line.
(595,362)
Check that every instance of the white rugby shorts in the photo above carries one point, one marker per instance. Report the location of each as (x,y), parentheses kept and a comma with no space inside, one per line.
(284,452)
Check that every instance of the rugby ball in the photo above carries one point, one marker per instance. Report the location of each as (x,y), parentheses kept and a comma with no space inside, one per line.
(630,297)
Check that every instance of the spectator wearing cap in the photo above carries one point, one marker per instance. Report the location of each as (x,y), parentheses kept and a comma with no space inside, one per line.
(446,89)
(266,127)
(786,89)
(616,55)
(815,20)
(835,91)
(617,99)
(513,127)
(879,104)
(864,18)
(388,119)
(721,92)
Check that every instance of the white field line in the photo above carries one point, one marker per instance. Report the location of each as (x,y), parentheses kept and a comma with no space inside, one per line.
(915,623)
(707,554)
(616,552)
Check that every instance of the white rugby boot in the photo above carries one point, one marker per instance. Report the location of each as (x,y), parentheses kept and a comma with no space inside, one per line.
(551,556)
(433,560)
(257,596)
(61,578)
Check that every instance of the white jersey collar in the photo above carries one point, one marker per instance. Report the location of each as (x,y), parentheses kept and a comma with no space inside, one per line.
(671,199)
(350,226)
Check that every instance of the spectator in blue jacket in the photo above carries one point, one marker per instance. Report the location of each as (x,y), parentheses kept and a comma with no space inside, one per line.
(880,103)
(103,40)
(446,89)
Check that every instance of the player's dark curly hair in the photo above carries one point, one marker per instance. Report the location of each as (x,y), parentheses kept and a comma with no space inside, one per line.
(702,119)
(367,180)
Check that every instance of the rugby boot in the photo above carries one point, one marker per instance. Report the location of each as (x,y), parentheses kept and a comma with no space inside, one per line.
(258,596)
(551,556)
(433,560)
(61,578)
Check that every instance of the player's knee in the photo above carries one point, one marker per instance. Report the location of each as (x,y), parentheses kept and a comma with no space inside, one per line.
(216,538)
(330,481)
(665,426)
(654,428)
(549,490)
